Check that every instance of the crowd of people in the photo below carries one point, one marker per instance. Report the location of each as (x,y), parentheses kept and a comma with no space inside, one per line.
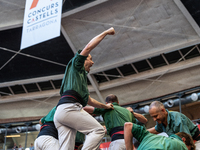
(125,127)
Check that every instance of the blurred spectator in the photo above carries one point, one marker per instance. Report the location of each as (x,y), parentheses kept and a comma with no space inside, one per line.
(32,147)
(15,147)
(20,147)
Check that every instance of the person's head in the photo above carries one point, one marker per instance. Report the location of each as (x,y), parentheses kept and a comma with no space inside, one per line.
(187,139)
(88,63)
(111,98)
(31,144)
(158,112)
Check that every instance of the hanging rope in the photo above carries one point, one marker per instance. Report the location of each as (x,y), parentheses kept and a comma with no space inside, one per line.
(9,60)
(27,55)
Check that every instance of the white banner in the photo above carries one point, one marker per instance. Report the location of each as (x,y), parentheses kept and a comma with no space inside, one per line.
(42,21)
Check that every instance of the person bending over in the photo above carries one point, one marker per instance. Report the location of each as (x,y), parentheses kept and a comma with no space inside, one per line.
(149,141)
(115,119)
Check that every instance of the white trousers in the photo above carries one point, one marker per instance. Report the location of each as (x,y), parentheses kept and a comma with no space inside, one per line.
(46,142)
(70,118)
(197,144)
(117,145)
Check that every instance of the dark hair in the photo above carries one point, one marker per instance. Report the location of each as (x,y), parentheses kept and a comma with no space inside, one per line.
(111,98)
(188,139)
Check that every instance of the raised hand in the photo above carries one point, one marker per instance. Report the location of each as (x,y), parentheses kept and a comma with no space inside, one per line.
(111,31)
(109,106)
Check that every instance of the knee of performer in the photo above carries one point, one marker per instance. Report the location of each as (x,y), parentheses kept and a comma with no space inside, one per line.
(100,130)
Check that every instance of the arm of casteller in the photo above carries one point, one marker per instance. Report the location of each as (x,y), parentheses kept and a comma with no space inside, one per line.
(96,40)
(139,117)
(97,104)
(152,130)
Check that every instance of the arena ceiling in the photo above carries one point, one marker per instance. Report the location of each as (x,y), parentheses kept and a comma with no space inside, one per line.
(155,52)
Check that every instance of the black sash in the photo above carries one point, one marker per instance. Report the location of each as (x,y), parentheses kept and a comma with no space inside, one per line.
(70,96)
(48,129)
(117,133)
(196,136)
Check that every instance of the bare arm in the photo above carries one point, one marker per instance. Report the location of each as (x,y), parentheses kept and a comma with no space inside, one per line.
(97,104)
(153,130)
(95,41)
(89,109)
(128,136)
(139,117)
(40,122)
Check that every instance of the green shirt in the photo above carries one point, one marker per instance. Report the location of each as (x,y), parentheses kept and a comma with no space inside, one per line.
(177,122)
(80,137)
(49,117)
(75,77)
(149,141)
(115,117)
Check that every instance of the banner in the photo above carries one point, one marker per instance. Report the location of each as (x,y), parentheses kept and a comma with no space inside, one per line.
(42,21)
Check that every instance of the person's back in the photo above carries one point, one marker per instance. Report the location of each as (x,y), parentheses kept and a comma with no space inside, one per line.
(149,141)
(114,121)
(158,142)
(117,117)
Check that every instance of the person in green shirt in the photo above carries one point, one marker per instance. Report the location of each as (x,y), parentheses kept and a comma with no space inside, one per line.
(115,119)
(149,141)
(47,138)
(69,116)
(171,122)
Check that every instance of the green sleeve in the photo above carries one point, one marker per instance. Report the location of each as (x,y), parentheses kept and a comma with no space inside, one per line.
(43,119)
(139,132)
(133,118)
(99,111)
(79,60)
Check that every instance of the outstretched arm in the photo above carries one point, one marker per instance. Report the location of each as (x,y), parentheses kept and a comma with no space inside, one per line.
(128,136)
(95,41)
(139,117)
(97,104)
